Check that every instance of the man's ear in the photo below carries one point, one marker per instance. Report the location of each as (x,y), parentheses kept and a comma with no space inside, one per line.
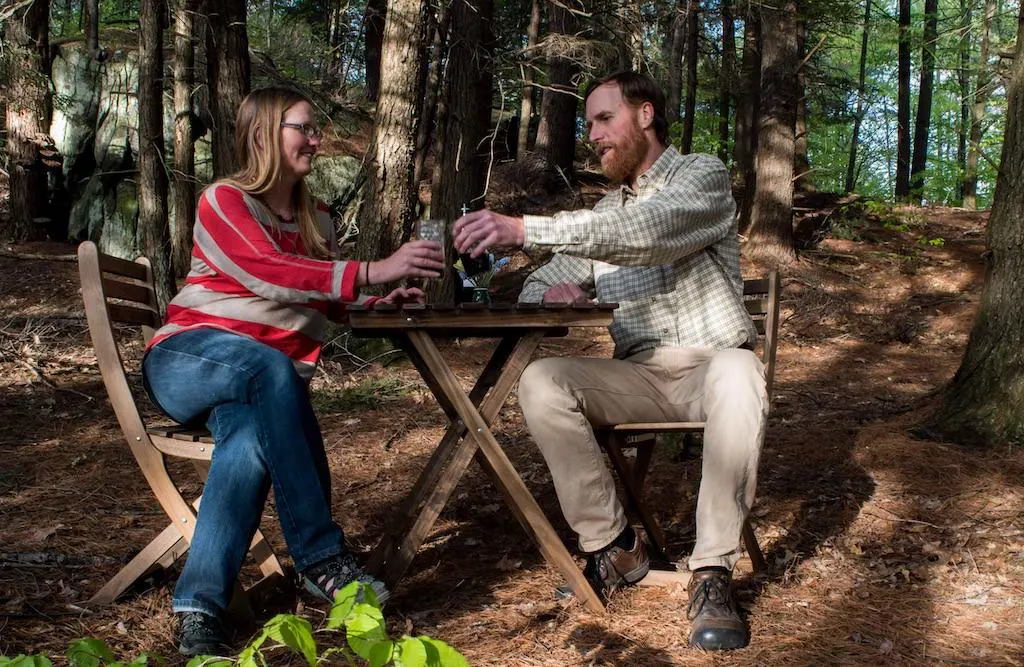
(646,115)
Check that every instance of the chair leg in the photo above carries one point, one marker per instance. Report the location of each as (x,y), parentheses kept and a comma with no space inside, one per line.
(634,495)
(145,561)
(757,560)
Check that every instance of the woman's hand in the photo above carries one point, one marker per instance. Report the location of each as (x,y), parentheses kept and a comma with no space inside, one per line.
(415,259)
(405,295)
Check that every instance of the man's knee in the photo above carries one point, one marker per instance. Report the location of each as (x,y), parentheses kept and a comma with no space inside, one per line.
(738,373)
(541,382)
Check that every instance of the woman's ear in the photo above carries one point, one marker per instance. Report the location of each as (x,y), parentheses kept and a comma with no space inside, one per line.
(258,136)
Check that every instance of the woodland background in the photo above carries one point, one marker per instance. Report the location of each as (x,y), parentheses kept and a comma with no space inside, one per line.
(876,154)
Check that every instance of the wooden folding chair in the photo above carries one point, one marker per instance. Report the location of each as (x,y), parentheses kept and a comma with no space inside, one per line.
(761,297)
(116,290)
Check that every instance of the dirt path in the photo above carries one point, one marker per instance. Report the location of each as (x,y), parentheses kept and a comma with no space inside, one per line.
(884,548)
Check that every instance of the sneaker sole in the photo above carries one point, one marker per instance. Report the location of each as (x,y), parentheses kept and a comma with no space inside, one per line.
(382,598)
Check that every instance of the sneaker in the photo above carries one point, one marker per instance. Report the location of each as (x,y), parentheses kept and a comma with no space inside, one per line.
(201,634)
(329,576)
(715,625)
(615,567)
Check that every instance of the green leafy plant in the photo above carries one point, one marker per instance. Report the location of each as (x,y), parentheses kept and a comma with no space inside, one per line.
(355,612)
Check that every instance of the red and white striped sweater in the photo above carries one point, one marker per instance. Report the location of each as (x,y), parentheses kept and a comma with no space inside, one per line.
(253,277)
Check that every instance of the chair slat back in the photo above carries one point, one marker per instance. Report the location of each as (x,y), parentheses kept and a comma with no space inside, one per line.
(761,297)
(104,278)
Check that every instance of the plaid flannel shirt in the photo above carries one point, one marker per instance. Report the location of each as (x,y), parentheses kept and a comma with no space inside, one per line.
(667,253)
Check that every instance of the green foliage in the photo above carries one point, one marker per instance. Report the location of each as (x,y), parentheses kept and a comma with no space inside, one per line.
(366,393)
(355,612)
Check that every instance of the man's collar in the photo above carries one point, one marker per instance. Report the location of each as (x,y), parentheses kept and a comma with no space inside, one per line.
(657,171)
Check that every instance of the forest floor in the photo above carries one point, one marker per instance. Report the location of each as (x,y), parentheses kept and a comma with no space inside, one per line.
(884,548)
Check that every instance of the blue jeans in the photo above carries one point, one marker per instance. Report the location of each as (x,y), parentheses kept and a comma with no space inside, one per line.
(258,410)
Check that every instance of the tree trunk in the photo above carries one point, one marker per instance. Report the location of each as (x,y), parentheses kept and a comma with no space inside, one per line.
(981,91)
(692,51)
(902,190)
(437,32)
(924,100)
(801,163)
(677,42)
(375,21)
(184,146)
(28,117)
(556,136)
(964,79)
(748,102)
(726,76)
(984,405)
(851,166)
(460,178)
(390,195)
(526,105)
(153,232)
(91,21)
(227,57)
(771,225)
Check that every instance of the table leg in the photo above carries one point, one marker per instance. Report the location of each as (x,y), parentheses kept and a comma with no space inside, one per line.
(396,549)
(521,502)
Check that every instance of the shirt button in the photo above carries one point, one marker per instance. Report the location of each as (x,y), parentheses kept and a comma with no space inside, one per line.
(575,239)
(664,331)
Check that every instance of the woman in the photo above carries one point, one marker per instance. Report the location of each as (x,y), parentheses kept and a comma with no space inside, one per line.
(237,351)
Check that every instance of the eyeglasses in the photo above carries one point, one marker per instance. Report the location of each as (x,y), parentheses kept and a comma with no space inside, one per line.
(311,131)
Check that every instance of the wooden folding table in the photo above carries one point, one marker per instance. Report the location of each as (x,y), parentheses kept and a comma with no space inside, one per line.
(519,330)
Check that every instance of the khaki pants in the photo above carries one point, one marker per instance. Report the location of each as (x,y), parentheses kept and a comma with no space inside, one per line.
(562,397)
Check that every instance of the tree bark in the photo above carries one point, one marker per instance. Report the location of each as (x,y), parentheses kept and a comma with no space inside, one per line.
(924,100)
(227,57)
(771,225)
(744,147)
(984,405)
(556,135)
(184,145)
(981,92)
(692,51)
(28,117)
(902,189)
(677,43)
(460,178)
(153,233)
(726,76)
(437,32)
(91,21)
(390,195)
(526,104)
(851,166)
(375,21)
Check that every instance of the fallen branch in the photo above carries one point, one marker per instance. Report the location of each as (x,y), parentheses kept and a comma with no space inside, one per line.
(35,255)
(39,375)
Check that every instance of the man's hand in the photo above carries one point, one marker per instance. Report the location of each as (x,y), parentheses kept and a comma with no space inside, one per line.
(415,259)
(482,230)
(564,293)
(405,295)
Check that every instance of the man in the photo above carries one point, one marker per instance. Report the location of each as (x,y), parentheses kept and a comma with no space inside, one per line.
(663,246)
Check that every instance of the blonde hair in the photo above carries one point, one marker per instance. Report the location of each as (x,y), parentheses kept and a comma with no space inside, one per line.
(258,151)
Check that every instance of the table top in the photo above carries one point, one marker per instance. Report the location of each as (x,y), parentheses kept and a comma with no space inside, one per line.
(477,319)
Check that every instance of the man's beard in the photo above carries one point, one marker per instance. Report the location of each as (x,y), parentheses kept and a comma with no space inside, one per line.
(628,154)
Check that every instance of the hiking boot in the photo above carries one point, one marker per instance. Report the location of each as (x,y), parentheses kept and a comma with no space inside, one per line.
(201,634)
(615,567)
(329,576)
(715,624)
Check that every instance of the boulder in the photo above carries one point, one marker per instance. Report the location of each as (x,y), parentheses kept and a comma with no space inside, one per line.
(76,97)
